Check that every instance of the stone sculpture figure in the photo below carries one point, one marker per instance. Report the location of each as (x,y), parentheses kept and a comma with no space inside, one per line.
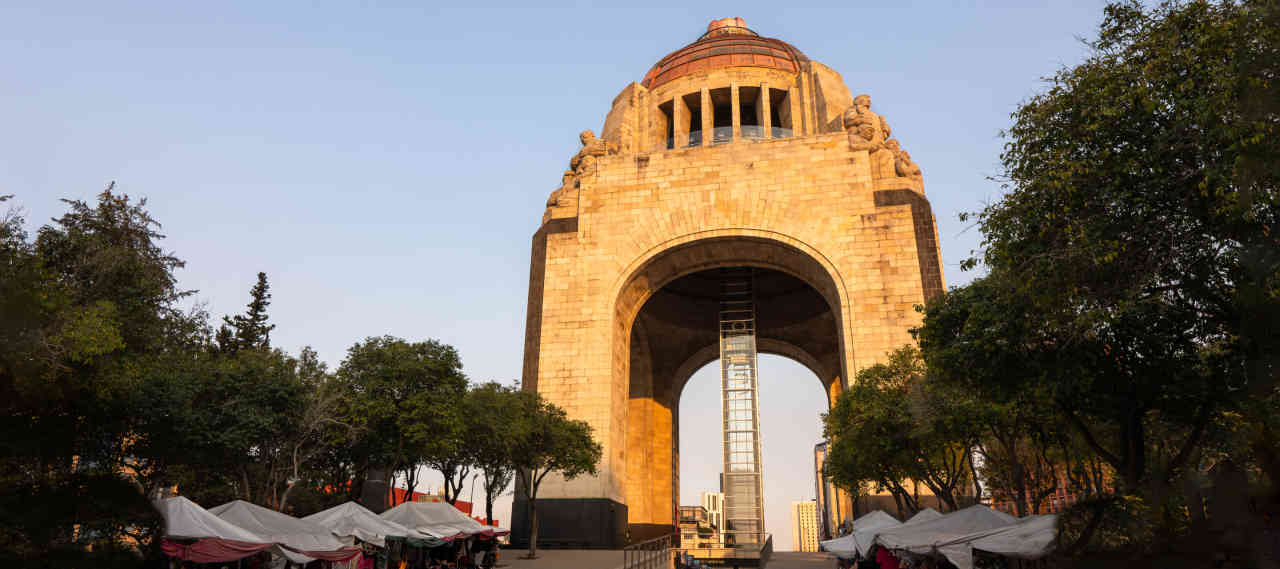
(862,137)
(592,148)
(859,115)
(903,166)
(582,163)
(568,181)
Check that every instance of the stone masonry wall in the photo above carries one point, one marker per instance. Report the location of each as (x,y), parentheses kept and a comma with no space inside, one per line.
(812,193)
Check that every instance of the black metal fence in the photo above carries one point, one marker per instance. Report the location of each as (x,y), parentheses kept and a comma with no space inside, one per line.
(653,554)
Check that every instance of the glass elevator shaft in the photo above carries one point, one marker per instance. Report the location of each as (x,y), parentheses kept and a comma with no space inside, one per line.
(740,401)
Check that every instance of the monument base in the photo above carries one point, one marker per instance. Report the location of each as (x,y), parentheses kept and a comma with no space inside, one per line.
(571,523)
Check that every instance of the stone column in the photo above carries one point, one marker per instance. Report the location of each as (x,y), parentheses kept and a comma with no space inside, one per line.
(708,117)
(766,112)
(737,111)
(797,113)
(680,128)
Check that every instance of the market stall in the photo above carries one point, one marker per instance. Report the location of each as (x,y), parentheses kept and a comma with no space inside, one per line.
(300,541)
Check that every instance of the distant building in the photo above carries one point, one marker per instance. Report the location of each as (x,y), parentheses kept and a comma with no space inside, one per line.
(695,529)
(713,502)
(830,511)
(804,526)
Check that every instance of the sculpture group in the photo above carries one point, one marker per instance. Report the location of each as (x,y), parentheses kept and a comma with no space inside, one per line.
(870,132)
(582,163)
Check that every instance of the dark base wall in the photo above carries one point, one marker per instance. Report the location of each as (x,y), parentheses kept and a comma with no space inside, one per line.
(646,532)
(571,523)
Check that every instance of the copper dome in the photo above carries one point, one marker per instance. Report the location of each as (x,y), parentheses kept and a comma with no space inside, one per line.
(727,43)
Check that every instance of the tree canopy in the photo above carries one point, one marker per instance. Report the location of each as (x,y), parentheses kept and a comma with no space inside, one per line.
(115,395)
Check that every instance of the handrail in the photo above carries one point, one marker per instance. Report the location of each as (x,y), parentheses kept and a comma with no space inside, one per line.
(652,554)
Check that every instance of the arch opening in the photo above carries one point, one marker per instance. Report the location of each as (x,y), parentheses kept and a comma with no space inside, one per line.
(791,399)
(668,314)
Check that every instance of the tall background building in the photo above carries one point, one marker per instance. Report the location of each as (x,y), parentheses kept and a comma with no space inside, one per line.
(829,510)
(714,503)
(804,526)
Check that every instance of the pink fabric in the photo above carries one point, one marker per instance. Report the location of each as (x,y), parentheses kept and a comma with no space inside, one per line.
(212,550)
(343,554)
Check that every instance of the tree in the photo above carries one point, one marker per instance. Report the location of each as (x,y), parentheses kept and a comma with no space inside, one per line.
(85,305)
(455,452)
(400,395)
(544,441)
(886,429)
(1140,222)
(249,330)
(494,407)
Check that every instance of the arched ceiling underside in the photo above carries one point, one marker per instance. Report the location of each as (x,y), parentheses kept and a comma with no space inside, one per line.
(679,327)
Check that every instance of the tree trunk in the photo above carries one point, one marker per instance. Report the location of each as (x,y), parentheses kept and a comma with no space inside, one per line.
(533,525)
(488,501)
(374,492)
(973,471)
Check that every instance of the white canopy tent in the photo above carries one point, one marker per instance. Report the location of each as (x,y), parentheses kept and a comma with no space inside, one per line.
(353,520)
(858,541)
(184,519)
(294,534)
(438,519)
(1030,538)
(924,515)
(920,538)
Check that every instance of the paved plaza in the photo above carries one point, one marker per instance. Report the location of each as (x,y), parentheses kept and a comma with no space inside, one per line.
(801,560)
(612,559)
(562,559)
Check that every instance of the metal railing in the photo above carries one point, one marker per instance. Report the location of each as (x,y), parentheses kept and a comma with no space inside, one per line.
(653,554)
(724,135)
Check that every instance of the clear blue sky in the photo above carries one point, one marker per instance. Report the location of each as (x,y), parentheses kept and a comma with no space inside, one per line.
(386,164)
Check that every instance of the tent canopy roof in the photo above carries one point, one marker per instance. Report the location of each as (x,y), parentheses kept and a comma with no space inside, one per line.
(865,529)
(184,519)
(353,520)
(1030,538)
(920,537)
(438,519)
(280,528)
(924,515)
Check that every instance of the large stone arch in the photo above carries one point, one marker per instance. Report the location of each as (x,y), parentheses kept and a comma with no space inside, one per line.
(664,331)
(805,200)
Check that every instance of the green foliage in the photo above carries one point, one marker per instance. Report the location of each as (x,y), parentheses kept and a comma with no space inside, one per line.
(402,398)
(1135,276)
(1134,265)
(491,407)
(112,396)
(250,330)
(86,305)
(890,427)
(544,440)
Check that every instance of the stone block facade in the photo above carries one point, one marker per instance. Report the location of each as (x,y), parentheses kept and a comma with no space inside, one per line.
(812,203)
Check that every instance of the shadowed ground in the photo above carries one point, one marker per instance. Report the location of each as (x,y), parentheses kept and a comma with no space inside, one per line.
(562,559)
(612,559)
(799,560)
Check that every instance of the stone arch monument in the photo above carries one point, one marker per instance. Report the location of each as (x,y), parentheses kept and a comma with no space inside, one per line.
(734,153)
